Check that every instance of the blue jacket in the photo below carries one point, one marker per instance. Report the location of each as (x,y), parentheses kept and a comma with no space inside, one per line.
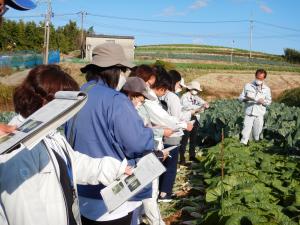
(109,125)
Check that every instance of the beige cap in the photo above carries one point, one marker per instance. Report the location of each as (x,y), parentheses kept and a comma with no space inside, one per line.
(108,54)
(194,85)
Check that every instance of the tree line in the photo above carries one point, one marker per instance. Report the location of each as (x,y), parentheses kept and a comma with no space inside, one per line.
(292,55)
(20,35)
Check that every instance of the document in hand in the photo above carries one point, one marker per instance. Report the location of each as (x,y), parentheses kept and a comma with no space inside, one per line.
(147,169)
(64,106)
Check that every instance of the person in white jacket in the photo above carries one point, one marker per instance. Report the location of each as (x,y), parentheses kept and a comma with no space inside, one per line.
(174,108)
(38,183)
(257,96)
(191,101)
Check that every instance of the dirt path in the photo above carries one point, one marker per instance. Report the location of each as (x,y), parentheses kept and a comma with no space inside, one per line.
(14,79)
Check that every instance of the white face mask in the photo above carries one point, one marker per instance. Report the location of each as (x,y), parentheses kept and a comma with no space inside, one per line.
(259,82)
(178,90)
(136,102)
(138,105)
(194,92)
(122,81)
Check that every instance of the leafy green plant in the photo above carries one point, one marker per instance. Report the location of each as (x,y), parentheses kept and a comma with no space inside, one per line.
(282,123)
(259,187)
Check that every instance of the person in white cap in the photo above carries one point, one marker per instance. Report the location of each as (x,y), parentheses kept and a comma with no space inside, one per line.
(192,102)
(257,96)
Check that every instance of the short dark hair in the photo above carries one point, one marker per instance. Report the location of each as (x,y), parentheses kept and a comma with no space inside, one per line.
(39,88)
(259,71)
(109,75)
(163,78)
(175,76)
(143,71)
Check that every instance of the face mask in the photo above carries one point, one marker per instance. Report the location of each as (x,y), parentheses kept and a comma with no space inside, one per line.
(178,90)
(122,81)
(258,82)
(138,105)
(194,92)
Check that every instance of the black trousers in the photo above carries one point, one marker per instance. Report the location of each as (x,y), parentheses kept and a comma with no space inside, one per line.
(192,135)
(167,179)
(126,220)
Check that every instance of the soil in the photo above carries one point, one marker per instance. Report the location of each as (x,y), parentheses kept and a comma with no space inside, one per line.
(230,85)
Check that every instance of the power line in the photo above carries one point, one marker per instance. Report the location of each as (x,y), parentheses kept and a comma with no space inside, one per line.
(166,21)
(277,26)
(169,34)
(25,16)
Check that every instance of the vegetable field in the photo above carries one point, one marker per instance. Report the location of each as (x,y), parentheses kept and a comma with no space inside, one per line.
(258,187)
(282,123)
(235,184)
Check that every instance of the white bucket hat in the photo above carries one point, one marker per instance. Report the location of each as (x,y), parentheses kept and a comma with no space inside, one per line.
(182,84)
(194,85)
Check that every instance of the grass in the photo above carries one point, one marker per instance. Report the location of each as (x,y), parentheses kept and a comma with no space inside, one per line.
(6,93)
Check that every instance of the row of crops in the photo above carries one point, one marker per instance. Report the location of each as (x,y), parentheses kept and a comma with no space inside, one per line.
(258,184)
(204,49)
(259,187)
(282,123)
(211,57)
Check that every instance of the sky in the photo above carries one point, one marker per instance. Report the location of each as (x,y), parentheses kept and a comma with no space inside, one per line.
(276,23)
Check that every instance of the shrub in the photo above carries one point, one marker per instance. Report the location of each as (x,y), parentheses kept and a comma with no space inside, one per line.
(290,97)
(165,64)
(291,55)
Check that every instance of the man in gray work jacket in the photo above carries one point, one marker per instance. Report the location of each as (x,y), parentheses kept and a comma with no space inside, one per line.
(257,96)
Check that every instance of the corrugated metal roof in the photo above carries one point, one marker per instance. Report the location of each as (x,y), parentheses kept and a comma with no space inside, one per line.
(110,36)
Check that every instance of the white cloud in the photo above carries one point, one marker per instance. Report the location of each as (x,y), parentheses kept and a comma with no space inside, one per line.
(265,8)
(171,11)
(198,4)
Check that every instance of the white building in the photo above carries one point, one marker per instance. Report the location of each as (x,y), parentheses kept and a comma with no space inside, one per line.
(127,42)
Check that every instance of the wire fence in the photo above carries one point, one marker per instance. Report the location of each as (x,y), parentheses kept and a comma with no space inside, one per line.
(26,59)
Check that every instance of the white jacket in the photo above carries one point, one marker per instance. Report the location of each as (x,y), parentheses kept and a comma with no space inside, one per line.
(253,91)
(191,102)
(30,190)
(175,108)
(161,117)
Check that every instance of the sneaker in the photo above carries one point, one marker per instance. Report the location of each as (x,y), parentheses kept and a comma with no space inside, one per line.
(167,198)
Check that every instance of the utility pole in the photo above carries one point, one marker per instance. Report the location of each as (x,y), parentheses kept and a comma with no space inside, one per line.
(231,51)
(251,33)
(81,40)
(47,31)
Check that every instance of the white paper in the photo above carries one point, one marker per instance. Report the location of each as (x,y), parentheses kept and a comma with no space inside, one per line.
(43,121)
(148,168)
